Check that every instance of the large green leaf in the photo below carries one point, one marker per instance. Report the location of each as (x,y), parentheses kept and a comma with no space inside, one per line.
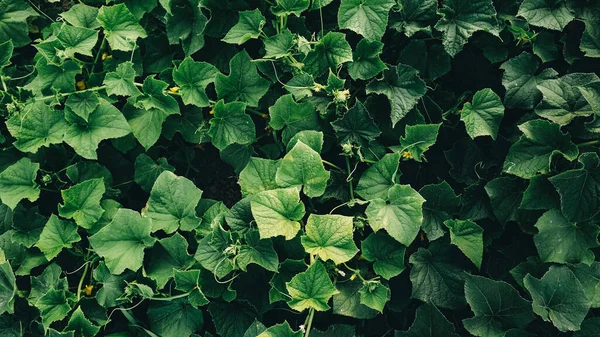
(281,330)
(403,88)
(176,318)
(468,237)
(561,241)
(311,289)
(278,212)
(80,325)
(168,254)
(121,28)
(302,167)
(520,80)
(147,170)
(121,81)
(462,18)
(249,26)
(172,203)
(482,117)
(231,125)
(419,138)
(368,18)
(497,307)
(258,176)
(541,142)
(8,287)
(376,181)
(53,306)
(243,82)
(122,242)
(330,237)
(193,78)
(386,254)
(347,301)
(548,14)
(366,63)
(57,235)
(331,51)
(187,23)
(54,77)
(292,117)
(81,202)
(440,204)
(415,16)
(579,189)
(232,319)
(105,122)
(17,182)
(13,21)
(356,127)
(400,214)
(429,322)
(82,15)
(257,251)
(77,40)
(558,297)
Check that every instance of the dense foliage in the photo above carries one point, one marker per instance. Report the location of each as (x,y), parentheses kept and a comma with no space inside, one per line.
(295,168)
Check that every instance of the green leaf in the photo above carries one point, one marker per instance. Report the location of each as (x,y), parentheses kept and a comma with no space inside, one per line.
(258,251)
(83,103)
(77,40)
(212,255)
(53,306)
(429,322)
(497,307)
(368,18)
(106,122)
(534,151)
(122,242)
(280,45)
(258,176)
(302,167)
(190,282)
(49,279)
(590,44)
(187,23)
(17,182)
(121,28)
(82,15)
(440,204)
(558,297)
(113,286)
(468,237)
(400,214)
(193,78)
(483,116)
(562,100)
(232,319)
(366,63)
(462,18)
(243,83)
(148,170)
(579,189)
(81,202)
(589,328)
(374,295)
(347,301)
(56,235)
(386,254)
(520,80)
(292,117)
(248,27)
(13,22)
(561,241)
(60,78)
(231,125)
(505,195)
(175,318)
(416,16)
(376,181)
(330,237)
(172,203)
(287,270)
(169,254)
(291,7)
(434,277)
(540,195)
(403,88)
(81,325)
(8,288)
(37,126)
(419,138)
(331,51)
(283,329)
(552,15)
(6,53)
(356,127)
(278,212)
(121,81)
(311,289)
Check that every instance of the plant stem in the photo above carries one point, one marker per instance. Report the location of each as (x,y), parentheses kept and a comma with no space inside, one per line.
(102,87)
(256,112)
(309,320)
(87,266)
(169,298)
(3,83)
(590,143)
(99,53)
(331,164)
(349,179)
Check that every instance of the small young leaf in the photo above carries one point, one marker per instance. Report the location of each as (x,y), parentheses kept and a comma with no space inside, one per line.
(81,202)
(483,116)
(311,289)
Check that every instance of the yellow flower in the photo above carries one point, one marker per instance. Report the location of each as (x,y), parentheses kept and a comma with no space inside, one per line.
(407,155)
(352,277)
(212,112)
(174,90)
(88,290)
(80,85)
(105,56)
